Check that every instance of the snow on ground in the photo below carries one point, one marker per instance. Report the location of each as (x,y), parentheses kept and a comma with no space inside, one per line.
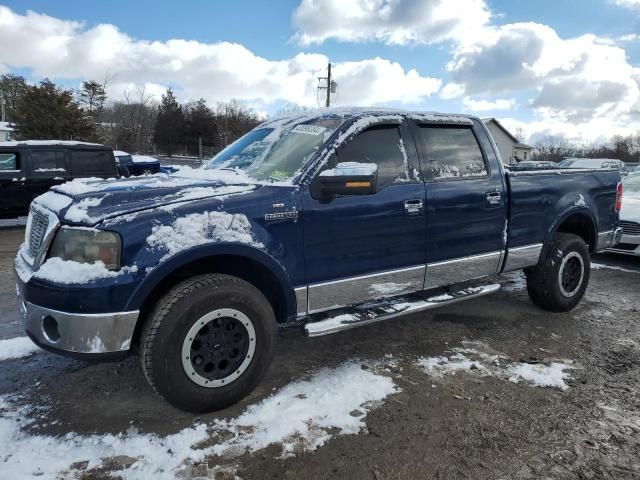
(69,272)
(552,375)
(17,347)
(477,357)
(200,228)
(600,266)
(302,416)
(13,222)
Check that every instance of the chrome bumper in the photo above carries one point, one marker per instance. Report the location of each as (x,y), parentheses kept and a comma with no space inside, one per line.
(81,333)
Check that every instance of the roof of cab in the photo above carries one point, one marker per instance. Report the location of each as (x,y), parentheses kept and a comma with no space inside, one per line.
(359,112)
(52,143)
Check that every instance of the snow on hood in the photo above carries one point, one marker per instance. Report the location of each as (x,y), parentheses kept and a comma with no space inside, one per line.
(88,201)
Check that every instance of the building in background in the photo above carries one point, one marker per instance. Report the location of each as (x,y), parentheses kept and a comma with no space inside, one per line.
(511,150)
(5,131)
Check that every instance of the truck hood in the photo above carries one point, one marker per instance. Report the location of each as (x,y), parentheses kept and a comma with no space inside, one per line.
(90,201)
(630,211)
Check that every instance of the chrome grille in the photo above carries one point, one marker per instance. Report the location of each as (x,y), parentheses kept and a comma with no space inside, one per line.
(37,232)
(630,228)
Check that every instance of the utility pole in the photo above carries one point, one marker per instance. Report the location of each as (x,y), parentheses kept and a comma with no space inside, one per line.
(327,84)
(2,103)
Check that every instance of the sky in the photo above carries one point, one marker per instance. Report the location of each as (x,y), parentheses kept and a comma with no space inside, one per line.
(549,68)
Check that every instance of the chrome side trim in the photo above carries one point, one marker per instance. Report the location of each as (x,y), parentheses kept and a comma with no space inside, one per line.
(462,269)
(521,257)
(342,322)
(354,290)
(81,332)
(301,300)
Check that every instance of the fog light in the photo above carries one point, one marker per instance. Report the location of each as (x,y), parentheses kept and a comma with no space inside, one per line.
(50,329)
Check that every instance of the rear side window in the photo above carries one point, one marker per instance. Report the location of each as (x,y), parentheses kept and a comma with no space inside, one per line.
(452,152)
(92,162)
(9,162)
(383,146)
(48,163)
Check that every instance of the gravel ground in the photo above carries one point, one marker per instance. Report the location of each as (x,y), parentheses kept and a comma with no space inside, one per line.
(464,425)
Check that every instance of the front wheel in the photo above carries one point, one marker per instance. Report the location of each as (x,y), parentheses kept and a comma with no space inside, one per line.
(209,342)
(559,282)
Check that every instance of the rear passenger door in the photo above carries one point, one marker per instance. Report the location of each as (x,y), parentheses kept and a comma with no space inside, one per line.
(466,203)
(47,167)
(92,163)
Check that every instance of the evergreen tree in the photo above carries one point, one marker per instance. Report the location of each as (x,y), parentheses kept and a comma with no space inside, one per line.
(170,122)
(46,111)
(92,96)
(12,88)
(201,124)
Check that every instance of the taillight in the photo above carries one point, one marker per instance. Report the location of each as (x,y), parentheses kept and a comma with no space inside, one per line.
(619,197)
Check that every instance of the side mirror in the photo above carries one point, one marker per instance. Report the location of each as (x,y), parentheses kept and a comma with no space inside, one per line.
(347,178)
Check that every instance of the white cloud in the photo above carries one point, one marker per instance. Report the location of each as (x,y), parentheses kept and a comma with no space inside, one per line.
(451,91)
(486,105)
(216,71)
(397,22)
(584,81)
(627,3)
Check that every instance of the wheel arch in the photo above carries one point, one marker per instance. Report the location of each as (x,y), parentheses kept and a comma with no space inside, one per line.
(579,221)
(243,261)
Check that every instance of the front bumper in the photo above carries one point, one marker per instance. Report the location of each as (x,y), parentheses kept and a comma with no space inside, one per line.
(608,239)
(627,244)
(97,336)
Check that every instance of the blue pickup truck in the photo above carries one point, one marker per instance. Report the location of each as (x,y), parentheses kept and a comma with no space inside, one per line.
(327,220)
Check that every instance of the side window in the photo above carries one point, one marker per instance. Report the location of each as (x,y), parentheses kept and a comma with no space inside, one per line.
(9,162)
(453,152)
(48,163)
(383,146)
(92,162)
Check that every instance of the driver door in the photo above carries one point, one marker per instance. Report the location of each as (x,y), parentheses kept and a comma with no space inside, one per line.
(366,246)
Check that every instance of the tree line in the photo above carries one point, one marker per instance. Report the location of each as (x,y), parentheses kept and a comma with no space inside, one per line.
(136,122)
(555,148)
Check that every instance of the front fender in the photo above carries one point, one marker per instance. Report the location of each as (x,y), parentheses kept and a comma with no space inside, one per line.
(157,274)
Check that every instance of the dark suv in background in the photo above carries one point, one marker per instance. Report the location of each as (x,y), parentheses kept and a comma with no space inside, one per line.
(29,168)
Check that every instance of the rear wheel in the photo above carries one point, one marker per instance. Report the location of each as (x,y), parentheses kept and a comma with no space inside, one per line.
(559,282)
(209,342)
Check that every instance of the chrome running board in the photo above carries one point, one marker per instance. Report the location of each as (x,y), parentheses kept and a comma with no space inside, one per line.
(366,314)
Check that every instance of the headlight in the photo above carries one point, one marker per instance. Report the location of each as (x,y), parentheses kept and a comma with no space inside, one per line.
(87,246)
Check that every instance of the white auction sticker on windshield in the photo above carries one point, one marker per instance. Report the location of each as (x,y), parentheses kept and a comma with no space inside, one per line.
(309,129)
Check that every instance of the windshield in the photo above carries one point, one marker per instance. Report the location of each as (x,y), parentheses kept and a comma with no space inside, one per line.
(275,153)
(632,184)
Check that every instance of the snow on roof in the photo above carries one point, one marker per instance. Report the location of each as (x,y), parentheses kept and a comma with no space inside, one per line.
(46,142)
(120,153)
(346,112)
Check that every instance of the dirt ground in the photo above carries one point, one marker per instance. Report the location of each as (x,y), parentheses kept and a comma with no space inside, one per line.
(457,426)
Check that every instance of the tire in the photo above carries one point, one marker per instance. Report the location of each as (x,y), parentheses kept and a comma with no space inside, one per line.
(194,329)
(558,283)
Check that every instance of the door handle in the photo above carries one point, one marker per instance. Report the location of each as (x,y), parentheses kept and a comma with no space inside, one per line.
(413,207)
(494,198)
